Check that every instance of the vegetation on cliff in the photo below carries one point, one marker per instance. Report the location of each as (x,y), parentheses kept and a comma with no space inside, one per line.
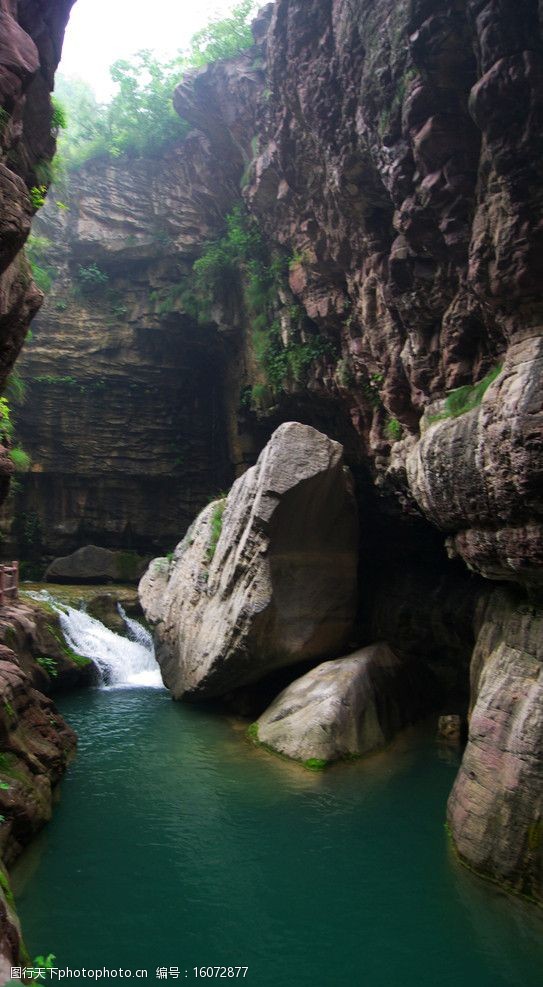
(242,257)
(140,119)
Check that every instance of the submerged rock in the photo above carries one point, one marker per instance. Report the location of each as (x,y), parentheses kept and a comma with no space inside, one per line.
(349,706)
(495,810)
(264,579)
(449,729)
(92,564)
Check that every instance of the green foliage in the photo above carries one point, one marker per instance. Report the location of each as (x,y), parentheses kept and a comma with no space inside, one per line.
(119,309)
(48,962)
(78,660)
(59,119)
(4,786)
(315,764)
(394,430)
(241,257)
(20,459)
(42,278)
(223,37)
(91,279)
(37,196)
(9,709)
(140,119)
(36,249)
(466,398)
(252,732)
(4,882)
(15,388)
(6,421)
(55,379)
(49,665)
(216,528)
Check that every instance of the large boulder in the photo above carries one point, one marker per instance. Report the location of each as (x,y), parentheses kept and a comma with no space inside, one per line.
(92,564)
(346,707)
(495,810)
(263,579)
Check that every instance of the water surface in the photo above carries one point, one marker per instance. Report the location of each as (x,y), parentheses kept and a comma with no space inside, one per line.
(178,844)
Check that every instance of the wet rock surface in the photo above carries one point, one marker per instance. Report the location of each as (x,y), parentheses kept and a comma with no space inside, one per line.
(266,578)
(495,810)
(347,707)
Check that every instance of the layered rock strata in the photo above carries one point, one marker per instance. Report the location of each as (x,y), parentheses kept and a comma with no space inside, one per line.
(31,39)
(35,741)
(35,748)
(264,579)
(126,416)
(495,810)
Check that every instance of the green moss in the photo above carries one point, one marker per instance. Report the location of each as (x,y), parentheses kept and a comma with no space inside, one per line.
(393,430)
(9,709)
(20,459)
(78,660)
(49,665)
(216,528)
(6,888)
(252,732)
(315,764)
(466,398)
(37,196)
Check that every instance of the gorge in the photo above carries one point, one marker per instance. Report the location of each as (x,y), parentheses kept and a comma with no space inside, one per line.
(325,298)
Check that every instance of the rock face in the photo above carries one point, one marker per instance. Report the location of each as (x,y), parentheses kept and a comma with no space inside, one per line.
(350,706)
(30,44)
(276,587)
(34,633)
(92,564)
(125,416)
(36,746)
(496,807)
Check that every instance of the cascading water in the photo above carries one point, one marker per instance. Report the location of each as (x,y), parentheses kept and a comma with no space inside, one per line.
(122,662)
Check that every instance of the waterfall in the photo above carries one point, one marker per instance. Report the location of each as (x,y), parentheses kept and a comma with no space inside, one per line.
(122,662)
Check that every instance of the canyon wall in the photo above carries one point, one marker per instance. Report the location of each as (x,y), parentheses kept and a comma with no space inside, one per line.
(31,36)
(393,153)
(125,415)
(36,743)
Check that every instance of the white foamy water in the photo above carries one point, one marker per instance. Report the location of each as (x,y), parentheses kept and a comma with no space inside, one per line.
(122,662)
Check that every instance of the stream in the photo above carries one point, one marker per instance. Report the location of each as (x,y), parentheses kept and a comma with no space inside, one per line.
(177,845)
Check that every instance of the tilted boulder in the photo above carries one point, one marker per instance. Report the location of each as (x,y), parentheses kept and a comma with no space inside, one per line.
(265,579)
(349,706)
